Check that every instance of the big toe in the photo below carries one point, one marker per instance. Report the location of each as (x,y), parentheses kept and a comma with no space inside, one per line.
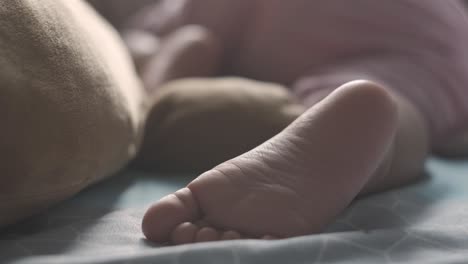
(168,213)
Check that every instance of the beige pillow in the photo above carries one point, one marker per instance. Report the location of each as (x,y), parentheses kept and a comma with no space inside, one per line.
(71,106)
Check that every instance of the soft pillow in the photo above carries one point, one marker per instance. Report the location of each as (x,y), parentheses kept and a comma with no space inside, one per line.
(71,106)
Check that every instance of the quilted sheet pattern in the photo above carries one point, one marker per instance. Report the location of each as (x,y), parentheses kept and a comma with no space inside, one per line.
(422,223)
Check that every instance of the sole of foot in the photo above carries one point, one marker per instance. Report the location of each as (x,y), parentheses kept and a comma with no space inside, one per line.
(293,184)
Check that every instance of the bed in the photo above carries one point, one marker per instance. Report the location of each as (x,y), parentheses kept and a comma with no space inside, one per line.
(421,223)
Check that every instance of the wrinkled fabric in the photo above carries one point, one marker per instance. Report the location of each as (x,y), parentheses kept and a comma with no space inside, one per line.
(418,48)
(422,223)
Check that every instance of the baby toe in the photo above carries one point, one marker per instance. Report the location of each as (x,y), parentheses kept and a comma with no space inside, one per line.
(207,234)
(184,233)
(230,235)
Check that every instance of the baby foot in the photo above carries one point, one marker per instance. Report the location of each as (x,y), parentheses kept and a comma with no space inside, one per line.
(292,185)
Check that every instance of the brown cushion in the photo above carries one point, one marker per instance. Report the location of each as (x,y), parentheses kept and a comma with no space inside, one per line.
(71,107)
(199,122)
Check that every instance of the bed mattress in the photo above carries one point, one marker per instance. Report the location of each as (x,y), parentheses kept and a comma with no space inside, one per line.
(422,223)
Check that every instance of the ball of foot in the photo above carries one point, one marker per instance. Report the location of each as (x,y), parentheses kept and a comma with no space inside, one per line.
(197,123)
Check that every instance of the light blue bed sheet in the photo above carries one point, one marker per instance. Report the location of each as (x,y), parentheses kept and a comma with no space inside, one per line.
(423,223)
